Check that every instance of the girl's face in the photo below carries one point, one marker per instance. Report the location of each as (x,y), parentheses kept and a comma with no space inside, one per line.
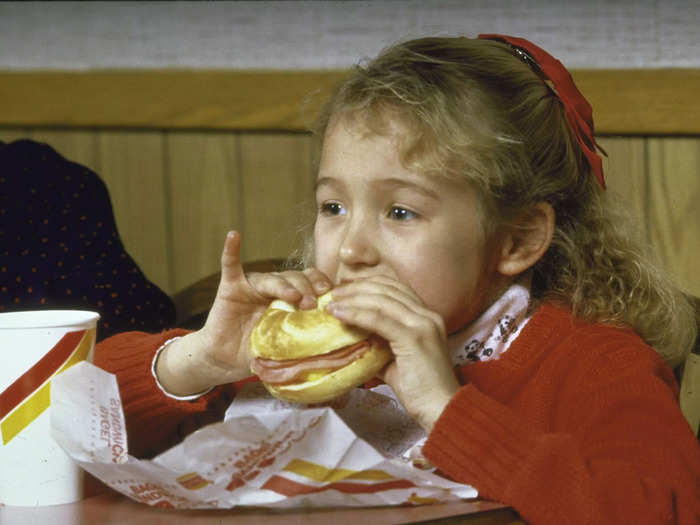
(375,217)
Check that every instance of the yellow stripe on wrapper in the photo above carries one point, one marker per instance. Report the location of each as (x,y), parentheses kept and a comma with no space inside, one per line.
(192,481)
(39,400)
(323,474)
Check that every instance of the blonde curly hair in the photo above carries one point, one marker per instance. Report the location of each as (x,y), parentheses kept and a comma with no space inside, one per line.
(473,111)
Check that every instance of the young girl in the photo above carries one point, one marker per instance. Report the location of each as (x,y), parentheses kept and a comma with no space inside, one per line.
(462,217)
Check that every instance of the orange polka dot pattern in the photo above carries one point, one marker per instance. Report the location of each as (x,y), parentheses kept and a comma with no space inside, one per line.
(60,248)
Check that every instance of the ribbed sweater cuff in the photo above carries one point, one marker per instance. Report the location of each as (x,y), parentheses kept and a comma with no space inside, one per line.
(123,351)
(477,440)
(151,417)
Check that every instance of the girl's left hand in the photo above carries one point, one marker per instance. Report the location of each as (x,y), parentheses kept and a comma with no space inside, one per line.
(422,375)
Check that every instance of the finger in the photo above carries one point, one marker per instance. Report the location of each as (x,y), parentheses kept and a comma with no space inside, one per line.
(231,268)
(295,287)
(302,283)
(396,320)
(319,280)
(380,286)
(388,374)
(391,319)
(367,285)
(275,286)
(311,283)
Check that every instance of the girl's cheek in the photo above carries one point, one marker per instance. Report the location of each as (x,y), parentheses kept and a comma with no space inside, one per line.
(323,255)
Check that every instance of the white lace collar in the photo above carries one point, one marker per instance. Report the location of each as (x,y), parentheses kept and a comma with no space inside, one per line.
(490,334)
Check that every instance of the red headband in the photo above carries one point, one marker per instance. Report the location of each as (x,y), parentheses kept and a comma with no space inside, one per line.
(578,111)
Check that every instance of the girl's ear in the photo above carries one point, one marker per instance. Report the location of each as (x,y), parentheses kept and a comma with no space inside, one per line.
(524,243)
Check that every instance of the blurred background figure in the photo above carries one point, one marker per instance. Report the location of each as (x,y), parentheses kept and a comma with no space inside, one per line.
(60,248)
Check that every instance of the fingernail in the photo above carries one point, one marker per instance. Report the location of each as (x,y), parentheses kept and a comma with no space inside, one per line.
(307,302)
(334,309)
(322,287)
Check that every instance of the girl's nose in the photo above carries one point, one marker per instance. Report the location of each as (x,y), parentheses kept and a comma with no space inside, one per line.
(358,247)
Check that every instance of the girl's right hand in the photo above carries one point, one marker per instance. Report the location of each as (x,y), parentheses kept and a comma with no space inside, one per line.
(218,353)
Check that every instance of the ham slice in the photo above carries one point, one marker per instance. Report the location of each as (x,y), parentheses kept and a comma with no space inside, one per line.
(287,370)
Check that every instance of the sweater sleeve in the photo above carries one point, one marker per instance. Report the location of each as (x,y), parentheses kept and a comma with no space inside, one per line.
(154,422)
(612,447)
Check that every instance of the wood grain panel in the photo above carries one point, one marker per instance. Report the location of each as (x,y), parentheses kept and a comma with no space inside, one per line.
(642,101)
(277,190)
(133,167)
(77,145)
(12,134)
(204,195)
(167,98)
(626,177)
(627,102)
(674,194)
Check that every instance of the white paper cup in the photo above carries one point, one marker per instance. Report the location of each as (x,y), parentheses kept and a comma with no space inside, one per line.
(34,347)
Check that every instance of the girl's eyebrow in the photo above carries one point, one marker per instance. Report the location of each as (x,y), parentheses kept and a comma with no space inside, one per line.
(324,181)
(388,183)
(398,183)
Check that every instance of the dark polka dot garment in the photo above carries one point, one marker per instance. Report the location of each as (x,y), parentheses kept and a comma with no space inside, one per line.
(59,245)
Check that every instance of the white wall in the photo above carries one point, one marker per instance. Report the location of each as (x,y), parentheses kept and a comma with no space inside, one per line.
(317,34)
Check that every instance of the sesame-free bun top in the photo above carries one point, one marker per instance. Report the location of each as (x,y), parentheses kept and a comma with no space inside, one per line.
(297,341)
(284,332)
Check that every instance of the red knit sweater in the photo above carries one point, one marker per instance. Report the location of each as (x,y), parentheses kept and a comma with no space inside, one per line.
(574,424)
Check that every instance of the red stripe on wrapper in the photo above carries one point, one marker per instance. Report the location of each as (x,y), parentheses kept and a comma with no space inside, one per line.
(288,487)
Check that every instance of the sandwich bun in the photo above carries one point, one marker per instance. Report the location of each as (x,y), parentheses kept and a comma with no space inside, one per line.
(309,356)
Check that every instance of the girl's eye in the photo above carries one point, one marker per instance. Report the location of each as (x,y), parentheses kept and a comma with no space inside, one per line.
(332,208)
(398,213)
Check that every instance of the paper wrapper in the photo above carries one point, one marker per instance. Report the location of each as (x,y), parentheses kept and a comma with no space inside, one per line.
(265,452)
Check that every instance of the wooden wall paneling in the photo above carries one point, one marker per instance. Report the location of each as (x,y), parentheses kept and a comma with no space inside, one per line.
(11,134)
(642,101)
(132,166)
(277,183)
(204,194)
(625,102)
(77,145)
(674,194)
(626,177)
(165,98)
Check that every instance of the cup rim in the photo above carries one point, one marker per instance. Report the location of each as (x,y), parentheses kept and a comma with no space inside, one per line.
(28,319)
